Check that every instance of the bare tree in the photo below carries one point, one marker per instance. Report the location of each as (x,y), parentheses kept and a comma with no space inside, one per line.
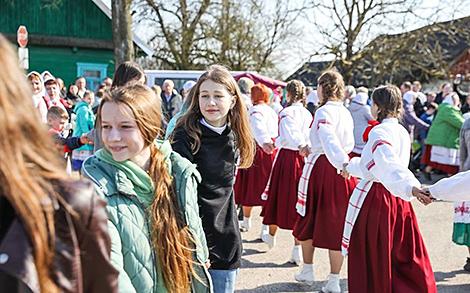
(177,30)
(122,32)
(347,27)
(249,34)
(240,34)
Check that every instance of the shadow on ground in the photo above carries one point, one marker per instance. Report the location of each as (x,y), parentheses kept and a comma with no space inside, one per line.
(290,287)
(448,288)
(246,264)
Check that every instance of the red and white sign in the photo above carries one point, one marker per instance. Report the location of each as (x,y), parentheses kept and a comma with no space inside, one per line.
(22,36)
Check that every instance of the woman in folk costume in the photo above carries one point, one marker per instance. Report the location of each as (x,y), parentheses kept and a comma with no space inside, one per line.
(281,190)
(323,194)
(250,183)
(386,250)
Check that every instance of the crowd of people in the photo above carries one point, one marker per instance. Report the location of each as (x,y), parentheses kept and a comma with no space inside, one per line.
(163,172)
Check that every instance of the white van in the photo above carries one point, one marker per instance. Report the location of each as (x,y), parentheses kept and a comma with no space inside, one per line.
(179,77)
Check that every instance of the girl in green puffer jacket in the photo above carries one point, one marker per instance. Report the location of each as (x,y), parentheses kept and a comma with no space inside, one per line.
(158,244)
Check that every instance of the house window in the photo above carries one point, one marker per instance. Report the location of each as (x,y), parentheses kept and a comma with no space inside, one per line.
(94,73)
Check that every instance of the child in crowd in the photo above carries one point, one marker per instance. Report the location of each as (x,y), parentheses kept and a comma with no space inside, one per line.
(37,85)
(386,251)
(53,92)
(323,194)
(57,119)
(250,183)
(85,122)
(281,190)
(158,244)
(212,134)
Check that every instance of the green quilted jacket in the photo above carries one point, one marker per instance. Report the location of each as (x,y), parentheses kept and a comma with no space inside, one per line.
(445,127)
(129,228)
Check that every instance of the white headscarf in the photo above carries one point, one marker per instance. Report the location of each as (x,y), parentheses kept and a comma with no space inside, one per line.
(313,97)
(361,98)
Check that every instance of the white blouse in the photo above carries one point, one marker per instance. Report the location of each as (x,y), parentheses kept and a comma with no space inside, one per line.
(455,188)
(263,121)
(385,159)
(332,133)
(294,127)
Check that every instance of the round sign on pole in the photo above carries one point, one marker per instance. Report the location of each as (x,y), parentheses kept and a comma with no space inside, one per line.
(22,36)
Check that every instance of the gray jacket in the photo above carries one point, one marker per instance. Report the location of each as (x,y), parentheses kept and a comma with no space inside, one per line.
(465,146)
(361,115)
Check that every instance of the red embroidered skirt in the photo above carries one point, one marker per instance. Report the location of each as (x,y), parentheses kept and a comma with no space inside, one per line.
(250,183)
(426,160)
(327,202)
(279,209)
(386,251)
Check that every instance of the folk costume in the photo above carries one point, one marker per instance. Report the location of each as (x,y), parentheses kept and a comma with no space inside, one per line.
(323,194)
(281,190)
(250,183)
(386,250)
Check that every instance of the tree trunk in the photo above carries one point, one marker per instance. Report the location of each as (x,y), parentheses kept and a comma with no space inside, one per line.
(122,33)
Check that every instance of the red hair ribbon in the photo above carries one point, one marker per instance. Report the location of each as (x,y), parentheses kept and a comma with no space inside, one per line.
(372,124)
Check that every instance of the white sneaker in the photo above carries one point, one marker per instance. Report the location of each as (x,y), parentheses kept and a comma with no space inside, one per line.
(332,286)
(305,275)
(296,256)
(269,240)
(245,225)
(264,230)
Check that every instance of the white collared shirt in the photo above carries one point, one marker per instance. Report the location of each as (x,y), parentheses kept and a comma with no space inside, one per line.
(332,133)
(219,130)
(385,159)
(294,127)
(263,122)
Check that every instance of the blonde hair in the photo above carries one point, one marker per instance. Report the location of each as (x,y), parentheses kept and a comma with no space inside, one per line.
(296,90)
(237,116)
(29,170)
(332,86)
(171,238)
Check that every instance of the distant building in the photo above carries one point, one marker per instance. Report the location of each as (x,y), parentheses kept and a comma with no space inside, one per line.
(70,38)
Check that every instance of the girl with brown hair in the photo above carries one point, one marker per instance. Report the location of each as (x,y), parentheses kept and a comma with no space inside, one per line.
(386,250)
(211,134)
(281,190)
(157,240)
(323,194)
(53,230)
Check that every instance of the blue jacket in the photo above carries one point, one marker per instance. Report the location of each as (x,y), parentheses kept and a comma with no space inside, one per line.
(85,122)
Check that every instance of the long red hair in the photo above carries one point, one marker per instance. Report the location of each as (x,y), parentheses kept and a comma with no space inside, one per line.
(29,166)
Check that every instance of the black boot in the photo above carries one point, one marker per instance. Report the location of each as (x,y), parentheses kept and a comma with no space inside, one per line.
(467,265)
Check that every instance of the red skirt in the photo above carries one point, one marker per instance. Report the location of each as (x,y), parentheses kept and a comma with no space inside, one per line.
(327,202)
(279,209)
(386,252)
(426,160)
(250,183)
